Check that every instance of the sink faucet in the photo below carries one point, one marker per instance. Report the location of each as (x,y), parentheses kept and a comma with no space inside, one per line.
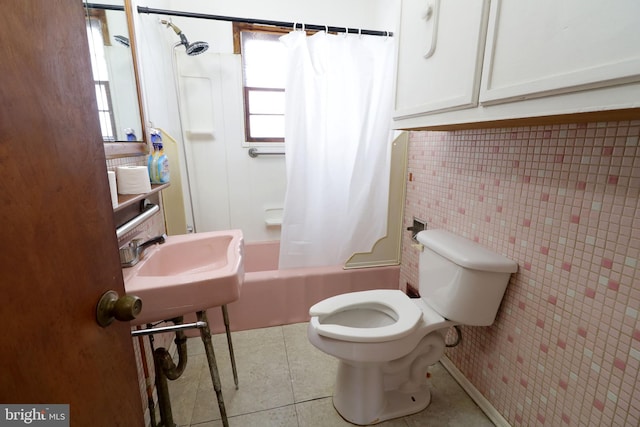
(130,255)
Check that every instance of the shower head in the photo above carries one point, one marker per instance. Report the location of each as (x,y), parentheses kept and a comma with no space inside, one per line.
(195,48)
(122,40)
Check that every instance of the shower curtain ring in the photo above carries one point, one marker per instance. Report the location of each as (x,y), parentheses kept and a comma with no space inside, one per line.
(326,29)
(303,27)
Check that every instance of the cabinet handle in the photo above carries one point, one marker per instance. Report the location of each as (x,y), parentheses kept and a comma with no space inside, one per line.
(432,12)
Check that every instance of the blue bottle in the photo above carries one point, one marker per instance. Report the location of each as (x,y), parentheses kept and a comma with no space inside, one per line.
(131,135)
(153,157)
(162,165)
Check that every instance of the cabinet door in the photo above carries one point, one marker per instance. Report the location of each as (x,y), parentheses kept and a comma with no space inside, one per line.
(548,47)
(439,55)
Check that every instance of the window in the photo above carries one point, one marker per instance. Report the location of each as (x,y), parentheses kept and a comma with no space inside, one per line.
(263,74)
(98,36)
(105,112)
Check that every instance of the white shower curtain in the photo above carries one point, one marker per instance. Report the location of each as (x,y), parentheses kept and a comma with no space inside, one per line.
(337,141)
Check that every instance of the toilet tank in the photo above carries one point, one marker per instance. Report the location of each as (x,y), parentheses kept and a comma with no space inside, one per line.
(460,279)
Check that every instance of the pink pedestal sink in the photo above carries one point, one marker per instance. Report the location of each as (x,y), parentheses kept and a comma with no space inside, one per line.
(186,274)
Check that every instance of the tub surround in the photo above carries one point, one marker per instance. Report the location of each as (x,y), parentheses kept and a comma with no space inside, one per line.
(563,201)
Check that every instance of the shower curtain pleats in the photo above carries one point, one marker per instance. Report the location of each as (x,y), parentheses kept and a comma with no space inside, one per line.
(337,139)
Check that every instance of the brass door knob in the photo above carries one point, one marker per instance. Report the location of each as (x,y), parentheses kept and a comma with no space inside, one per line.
(111,306)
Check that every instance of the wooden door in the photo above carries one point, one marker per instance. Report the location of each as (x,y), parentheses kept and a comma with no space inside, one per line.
(58,244)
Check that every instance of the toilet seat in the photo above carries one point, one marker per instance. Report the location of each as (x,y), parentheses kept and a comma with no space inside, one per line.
(391,302)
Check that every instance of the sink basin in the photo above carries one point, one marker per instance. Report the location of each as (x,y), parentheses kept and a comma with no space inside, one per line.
(186,274)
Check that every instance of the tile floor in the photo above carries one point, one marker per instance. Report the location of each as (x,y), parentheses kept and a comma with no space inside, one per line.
(285,381)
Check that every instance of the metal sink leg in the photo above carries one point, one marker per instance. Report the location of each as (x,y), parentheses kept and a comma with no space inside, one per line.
(225,316)
(205,333)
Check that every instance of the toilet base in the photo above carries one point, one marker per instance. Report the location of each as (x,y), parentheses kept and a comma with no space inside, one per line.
(360,397)
(398,405)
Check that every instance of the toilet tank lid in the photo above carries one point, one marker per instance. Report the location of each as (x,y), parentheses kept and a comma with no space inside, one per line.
(465,252)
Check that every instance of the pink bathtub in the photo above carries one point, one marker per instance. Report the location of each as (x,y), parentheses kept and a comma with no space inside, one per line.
(271,297)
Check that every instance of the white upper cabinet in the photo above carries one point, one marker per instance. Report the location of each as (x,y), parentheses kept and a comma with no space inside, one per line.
(439,55)
(547,47)
(527,61)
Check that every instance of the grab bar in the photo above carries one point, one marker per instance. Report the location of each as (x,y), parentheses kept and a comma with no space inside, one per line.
(253,153)
(136,221)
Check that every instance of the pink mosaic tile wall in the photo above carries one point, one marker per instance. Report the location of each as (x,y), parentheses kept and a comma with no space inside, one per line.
(563,201)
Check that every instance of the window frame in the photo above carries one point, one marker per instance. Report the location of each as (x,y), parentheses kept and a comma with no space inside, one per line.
(104,85)
(247,115)
(238,28)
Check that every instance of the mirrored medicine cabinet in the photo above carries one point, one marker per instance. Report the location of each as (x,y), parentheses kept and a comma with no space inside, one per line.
(113,61)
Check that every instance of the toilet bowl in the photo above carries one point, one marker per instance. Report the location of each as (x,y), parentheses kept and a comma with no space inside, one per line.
(367,316)
(371,326)
(384,341)
(375,379)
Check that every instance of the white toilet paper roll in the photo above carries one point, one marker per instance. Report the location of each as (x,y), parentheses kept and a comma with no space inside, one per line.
(113,188)
(133,179)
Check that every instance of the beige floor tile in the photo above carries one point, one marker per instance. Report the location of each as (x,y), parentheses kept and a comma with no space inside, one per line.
(321,413)
(264,381)
(278,417)
(313,373)
(183,391)
(216,423)
(450,405)
(195,346)
(278,366)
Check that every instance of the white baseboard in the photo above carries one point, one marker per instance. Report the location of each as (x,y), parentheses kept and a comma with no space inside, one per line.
(475,395)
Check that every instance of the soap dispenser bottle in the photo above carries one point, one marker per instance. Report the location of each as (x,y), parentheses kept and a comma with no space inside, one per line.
(162,164)
(152,162)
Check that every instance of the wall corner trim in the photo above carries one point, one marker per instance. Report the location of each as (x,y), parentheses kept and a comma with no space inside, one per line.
(475,395)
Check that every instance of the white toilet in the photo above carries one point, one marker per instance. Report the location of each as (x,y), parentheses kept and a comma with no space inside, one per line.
(385,341)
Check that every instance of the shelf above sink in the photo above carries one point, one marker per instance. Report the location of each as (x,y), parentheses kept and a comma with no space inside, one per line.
(125,200)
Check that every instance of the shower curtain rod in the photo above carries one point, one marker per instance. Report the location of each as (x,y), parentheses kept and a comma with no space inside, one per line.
(148,10)
(104,6)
